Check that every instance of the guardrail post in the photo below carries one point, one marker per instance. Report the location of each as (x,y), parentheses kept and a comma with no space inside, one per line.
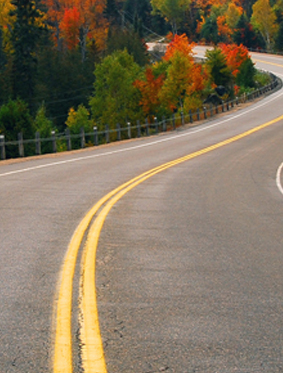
(204,113)
(146,127)
(82,137)
(129,130)
(164,124)
(227,105)
(54,145)
(182,118)
(211,110)
(191,116)
(156,125)
(198,115)
(173,121)
(139,128)
(21,144)
(68,139)
(37,143)
(118,132)
(107,133)
(95,136)
(2,147)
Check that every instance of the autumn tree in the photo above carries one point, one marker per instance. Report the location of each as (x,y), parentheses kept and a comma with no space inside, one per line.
(233,15)
(235,55)
(78,22)
(172,10)
(7,20)
(264,20)
(184,77)
(70,26)
(150,87)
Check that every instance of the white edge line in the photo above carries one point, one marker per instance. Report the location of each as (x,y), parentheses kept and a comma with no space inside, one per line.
(190,132)
(278,178)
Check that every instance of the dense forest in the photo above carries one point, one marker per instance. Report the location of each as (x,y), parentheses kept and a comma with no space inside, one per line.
(73,63)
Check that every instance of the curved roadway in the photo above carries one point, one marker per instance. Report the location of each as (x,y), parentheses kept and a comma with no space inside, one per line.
(189,263)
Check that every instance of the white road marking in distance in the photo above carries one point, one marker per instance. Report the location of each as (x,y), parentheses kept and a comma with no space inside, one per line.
(278,178)
(188,133)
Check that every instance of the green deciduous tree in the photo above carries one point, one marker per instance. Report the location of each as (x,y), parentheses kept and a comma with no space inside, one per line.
(264,20)
(15,118)
(115,99)
(172,10)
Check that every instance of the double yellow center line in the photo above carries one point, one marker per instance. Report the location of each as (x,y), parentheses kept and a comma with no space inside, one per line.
(92,349)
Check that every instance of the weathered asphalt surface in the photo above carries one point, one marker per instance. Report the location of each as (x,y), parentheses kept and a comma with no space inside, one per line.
(189,266)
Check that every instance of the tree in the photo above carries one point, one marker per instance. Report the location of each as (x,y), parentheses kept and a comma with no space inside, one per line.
(264,19)
(233,14)
(235,55)
(150,87)
(172,10)
(246,74)
(209,30)
(184,77)
(244,33)
(15,118)
(279,38)
(217,67)
(26,34)
(180,44)
(70,26)
(83,20)
(130,40)
(115,98)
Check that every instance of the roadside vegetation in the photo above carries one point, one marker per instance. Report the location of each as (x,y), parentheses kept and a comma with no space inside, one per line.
(84,63)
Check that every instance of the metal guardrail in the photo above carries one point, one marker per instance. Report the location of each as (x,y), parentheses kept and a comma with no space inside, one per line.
(68,141)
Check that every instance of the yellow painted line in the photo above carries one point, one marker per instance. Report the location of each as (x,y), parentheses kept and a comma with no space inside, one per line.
(92,352)
(266,62)
(62,362)
(91,334)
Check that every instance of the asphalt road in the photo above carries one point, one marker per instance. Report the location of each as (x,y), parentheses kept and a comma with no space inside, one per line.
(189,264)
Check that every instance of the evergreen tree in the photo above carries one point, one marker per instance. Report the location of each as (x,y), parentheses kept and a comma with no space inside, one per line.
(25,37)
(217,67)
(246,35)
(111,12)
(209,30)
(2,54)
(279,38)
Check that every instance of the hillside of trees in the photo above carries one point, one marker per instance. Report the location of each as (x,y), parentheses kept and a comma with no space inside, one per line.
(67,63)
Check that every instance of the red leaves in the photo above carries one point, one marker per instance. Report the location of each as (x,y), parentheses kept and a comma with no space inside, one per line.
(235,55)
(70,27)
(149,90)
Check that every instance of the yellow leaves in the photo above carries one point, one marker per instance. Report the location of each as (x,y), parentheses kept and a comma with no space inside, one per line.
(181,44)
(5,18)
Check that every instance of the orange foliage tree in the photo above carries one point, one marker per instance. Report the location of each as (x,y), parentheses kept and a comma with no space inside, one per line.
(150,90)
(181,44)
(77,22)
(235,55)
(70,26)
(182,79)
